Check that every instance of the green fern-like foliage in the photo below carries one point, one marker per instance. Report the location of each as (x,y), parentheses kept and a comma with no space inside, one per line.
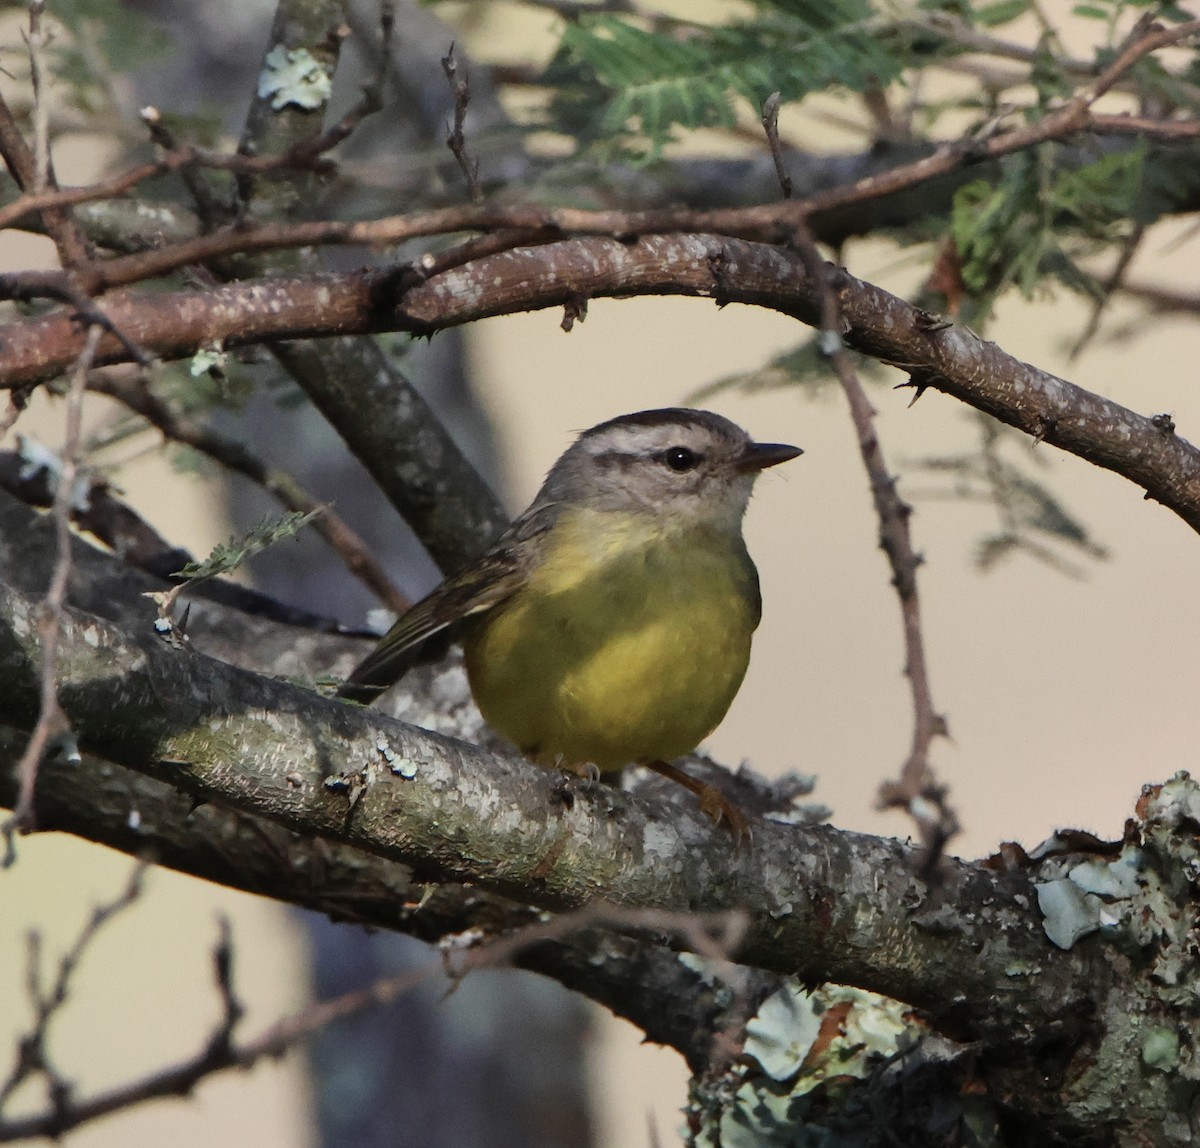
(226,557)
(637,85)
(1035,222)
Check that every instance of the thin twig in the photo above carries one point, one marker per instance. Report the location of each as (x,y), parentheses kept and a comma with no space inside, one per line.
(714,936)
(64,197)
(345,542)
(455,140)
(304,156)
(211,206)
(915,789)
(1113,281)
(52,722)
(35,42)
(1162,298)
(32,1055)
(220,1044)
(72,244)
(770,123)
(18,400)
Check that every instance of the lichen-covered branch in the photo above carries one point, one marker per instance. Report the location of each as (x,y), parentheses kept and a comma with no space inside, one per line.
(1020,958)
(821,903)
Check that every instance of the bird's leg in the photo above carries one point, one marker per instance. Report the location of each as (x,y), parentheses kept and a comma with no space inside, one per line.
(584,769)
(712,801)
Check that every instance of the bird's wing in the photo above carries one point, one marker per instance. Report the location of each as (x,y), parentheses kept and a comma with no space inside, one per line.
(483,584)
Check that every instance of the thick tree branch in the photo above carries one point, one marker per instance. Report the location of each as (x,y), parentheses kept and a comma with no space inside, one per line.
(94,799)
(391,429)
(821,903)
(104,802)
(947,358)
(973,949)
(367,399)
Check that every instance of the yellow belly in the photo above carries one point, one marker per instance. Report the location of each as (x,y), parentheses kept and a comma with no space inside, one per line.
(620,651)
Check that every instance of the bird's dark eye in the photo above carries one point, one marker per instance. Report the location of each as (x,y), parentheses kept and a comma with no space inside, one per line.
(680,458)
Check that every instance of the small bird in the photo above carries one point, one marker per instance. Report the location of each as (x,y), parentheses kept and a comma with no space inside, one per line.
(610,624)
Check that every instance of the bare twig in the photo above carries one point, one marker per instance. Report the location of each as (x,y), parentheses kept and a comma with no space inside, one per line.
(17,402)
(32,1056)
(1162,298)
(220,1044)
(1149,127)
(212,207)
(35,42)
(52,724)
(455,140)
(303,156)
(770,123)
(33,169)
(64,197)
(915,790)
(1111,283)
(712,935)
(217,1056)
(1073,117)
(345,542)
(959,32)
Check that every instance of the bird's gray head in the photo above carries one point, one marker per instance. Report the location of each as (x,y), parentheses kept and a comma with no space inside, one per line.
(687,463)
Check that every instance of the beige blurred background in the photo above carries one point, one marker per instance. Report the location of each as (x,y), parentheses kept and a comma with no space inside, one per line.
(1063,695)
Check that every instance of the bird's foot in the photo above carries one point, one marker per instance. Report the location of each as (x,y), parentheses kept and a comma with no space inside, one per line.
(584,769)
(713,802)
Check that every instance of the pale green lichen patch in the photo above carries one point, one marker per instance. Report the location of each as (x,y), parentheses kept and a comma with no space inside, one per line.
(1160,1049)
(1134,895)
(208,360)
(1069,913)
(801,1040)
(294,76)
(782,1033)
(1116,879)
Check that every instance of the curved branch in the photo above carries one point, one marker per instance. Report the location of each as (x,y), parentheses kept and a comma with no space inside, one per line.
(936,354)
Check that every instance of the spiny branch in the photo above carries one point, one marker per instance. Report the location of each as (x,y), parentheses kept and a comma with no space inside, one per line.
(915,790)
(455,139)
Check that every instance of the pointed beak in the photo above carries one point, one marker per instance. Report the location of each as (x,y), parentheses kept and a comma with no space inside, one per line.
(759,455)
